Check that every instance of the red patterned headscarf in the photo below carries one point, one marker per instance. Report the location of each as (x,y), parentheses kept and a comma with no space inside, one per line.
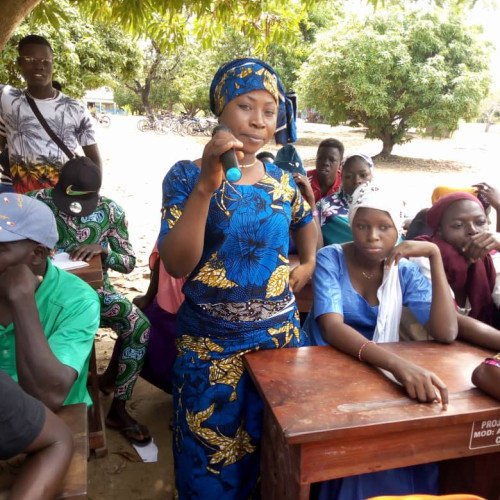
(478,278)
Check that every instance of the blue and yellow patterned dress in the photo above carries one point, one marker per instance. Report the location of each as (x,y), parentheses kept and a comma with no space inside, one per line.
(237,301)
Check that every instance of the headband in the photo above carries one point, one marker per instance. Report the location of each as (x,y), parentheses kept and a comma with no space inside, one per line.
(367,158)
(372,196)
(245,75)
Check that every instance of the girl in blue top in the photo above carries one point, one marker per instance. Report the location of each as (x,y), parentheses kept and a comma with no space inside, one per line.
(359,290)
(357,169)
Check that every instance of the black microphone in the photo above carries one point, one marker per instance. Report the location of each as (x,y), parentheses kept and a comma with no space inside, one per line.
(228,159)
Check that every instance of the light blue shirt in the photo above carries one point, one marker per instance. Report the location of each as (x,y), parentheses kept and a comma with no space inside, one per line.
(334,293)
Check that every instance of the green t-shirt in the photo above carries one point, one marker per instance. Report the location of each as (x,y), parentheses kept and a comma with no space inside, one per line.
(69,311)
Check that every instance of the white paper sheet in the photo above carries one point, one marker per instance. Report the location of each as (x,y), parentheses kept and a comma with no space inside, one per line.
(148,453)
(62,260)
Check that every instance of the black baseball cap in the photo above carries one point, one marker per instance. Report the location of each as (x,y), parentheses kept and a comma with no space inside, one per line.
(77,191)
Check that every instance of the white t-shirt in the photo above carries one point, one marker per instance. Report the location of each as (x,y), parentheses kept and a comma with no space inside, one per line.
(35,159)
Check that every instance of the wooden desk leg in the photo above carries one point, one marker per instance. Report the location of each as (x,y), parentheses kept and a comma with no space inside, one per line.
(75,483)
(97,429)
(477,475)
(280,465)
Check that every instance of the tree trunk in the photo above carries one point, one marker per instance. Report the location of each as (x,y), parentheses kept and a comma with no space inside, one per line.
(13,12)
(145,100)
(387,144)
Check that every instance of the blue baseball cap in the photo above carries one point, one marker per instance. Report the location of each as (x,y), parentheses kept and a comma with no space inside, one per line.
(287,158)
(25,218)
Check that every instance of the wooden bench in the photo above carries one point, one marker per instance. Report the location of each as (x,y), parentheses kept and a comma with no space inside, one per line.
(92,274)
(97,428)
(75,482)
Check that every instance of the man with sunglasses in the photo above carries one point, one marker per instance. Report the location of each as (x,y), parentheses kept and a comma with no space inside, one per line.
(37,151)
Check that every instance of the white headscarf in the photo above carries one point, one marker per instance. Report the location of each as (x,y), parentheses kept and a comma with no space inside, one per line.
(363,156)
(370,195)
(389,293)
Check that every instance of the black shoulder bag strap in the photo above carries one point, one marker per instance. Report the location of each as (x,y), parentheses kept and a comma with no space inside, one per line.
(49,131)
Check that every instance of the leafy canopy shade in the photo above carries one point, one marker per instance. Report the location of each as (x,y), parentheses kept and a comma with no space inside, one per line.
(170,21)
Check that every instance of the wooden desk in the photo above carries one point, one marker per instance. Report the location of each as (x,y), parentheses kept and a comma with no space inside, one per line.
(75,483)
(328,415)
(92,274)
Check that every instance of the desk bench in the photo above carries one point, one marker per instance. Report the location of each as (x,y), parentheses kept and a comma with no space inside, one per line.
(92,274)
(75,482)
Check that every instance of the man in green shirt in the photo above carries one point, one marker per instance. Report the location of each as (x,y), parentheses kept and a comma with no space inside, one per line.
(48,317)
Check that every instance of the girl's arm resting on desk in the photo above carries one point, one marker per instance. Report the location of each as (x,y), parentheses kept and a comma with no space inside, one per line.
(478,333)
(487,378)
(305,240)
(442,324)
(418,382)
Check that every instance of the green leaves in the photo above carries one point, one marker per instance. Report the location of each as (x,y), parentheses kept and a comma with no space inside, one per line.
(395,71)
(87,55)
(169,22)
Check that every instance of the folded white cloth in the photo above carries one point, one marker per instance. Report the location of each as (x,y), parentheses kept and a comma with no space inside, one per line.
(390,309)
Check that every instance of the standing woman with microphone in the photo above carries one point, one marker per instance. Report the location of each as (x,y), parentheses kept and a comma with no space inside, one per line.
(230,239)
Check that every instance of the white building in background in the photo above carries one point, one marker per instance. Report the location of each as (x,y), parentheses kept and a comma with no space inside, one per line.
(102,100)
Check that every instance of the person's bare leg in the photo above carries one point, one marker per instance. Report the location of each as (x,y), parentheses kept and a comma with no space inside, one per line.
(108,378)
(119,418)
(49,456)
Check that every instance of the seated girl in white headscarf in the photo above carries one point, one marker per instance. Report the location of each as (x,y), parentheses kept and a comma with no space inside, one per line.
(360,288)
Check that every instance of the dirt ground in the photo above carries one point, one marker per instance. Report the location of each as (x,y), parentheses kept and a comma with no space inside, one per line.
(134,166)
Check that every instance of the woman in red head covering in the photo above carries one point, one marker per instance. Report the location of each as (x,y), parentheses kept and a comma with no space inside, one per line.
(470,255)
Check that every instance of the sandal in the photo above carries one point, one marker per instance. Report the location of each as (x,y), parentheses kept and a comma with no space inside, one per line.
(136,433)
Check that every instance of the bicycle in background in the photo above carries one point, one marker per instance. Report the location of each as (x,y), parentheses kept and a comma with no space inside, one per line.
(100,119)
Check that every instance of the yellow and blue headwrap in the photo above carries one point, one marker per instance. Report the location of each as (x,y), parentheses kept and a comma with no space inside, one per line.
(244,75)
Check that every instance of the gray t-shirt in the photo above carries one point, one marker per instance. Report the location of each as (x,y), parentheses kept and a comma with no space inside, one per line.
(22,418)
